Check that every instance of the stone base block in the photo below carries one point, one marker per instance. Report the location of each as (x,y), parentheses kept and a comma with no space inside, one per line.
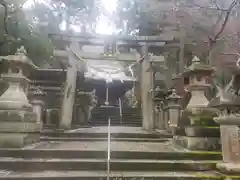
(202,131)
(20,127)
(229,168)
(18,140)
(17,115)
(198,143)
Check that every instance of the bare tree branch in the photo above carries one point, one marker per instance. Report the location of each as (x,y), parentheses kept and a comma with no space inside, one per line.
(216,5)
(234,3)
(213,39)
(234,54)
(210,8)
(230,36)
(220,17)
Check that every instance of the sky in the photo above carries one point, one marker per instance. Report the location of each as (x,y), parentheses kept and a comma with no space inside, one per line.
(104,25)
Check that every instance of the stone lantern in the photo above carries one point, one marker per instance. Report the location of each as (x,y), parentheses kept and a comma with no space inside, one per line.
(228,103)
(18,122)
(174,108)
(198,74)
(198,134)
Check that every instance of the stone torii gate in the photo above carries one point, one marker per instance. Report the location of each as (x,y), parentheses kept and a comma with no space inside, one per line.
(146,77)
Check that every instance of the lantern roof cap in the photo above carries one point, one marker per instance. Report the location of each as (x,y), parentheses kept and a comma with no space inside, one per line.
(197,67)
(174,95)
(20,57)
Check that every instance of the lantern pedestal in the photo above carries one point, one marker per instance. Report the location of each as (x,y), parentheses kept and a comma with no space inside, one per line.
(229,125)
(18,128)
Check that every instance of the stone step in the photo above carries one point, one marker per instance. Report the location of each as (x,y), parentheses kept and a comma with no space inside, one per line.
(111,111)
(127,125)
(91,175)
(124,122)
(35,164)
(44,138)
(99,118)
(100,154)
(132,112)
(103,113)
(131,119)
(105,134)
(105,119)
(117,124)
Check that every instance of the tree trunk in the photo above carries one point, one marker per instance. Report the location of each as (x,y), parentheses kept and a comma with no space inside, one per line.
(182,47)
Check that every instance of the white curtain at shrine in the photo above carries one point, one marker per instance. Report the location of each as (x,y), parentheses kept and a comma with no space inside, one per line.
(106,69)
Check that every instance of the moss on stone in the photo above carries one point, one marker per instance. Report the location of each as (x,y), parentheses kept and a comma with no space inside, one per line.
(202,175)
(232,177)
(206,152)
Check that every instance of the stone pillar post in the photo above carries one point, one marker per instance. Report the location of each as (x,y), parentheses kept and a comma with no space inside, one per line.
(174,108)
(38,109)
(230,140)
(159,116)
(165,116)
(159,119)
(85,102)
(147,81)
(228,103)
(48,116)
(70,89)
(18,122)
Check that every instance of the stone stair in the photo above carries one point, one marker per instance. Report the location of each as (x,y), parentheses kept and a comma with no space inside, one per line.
(130,116)
(102,136)
(100,116)
(77,164)
(67,156)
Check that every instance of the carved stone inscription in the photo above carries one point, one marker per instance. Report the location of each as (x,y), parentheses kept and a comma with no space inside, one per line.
(230,143)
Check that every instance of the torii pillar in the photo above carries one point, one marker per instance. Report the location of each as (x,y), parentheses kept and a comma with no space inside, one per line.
(69,89)
(147,86)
